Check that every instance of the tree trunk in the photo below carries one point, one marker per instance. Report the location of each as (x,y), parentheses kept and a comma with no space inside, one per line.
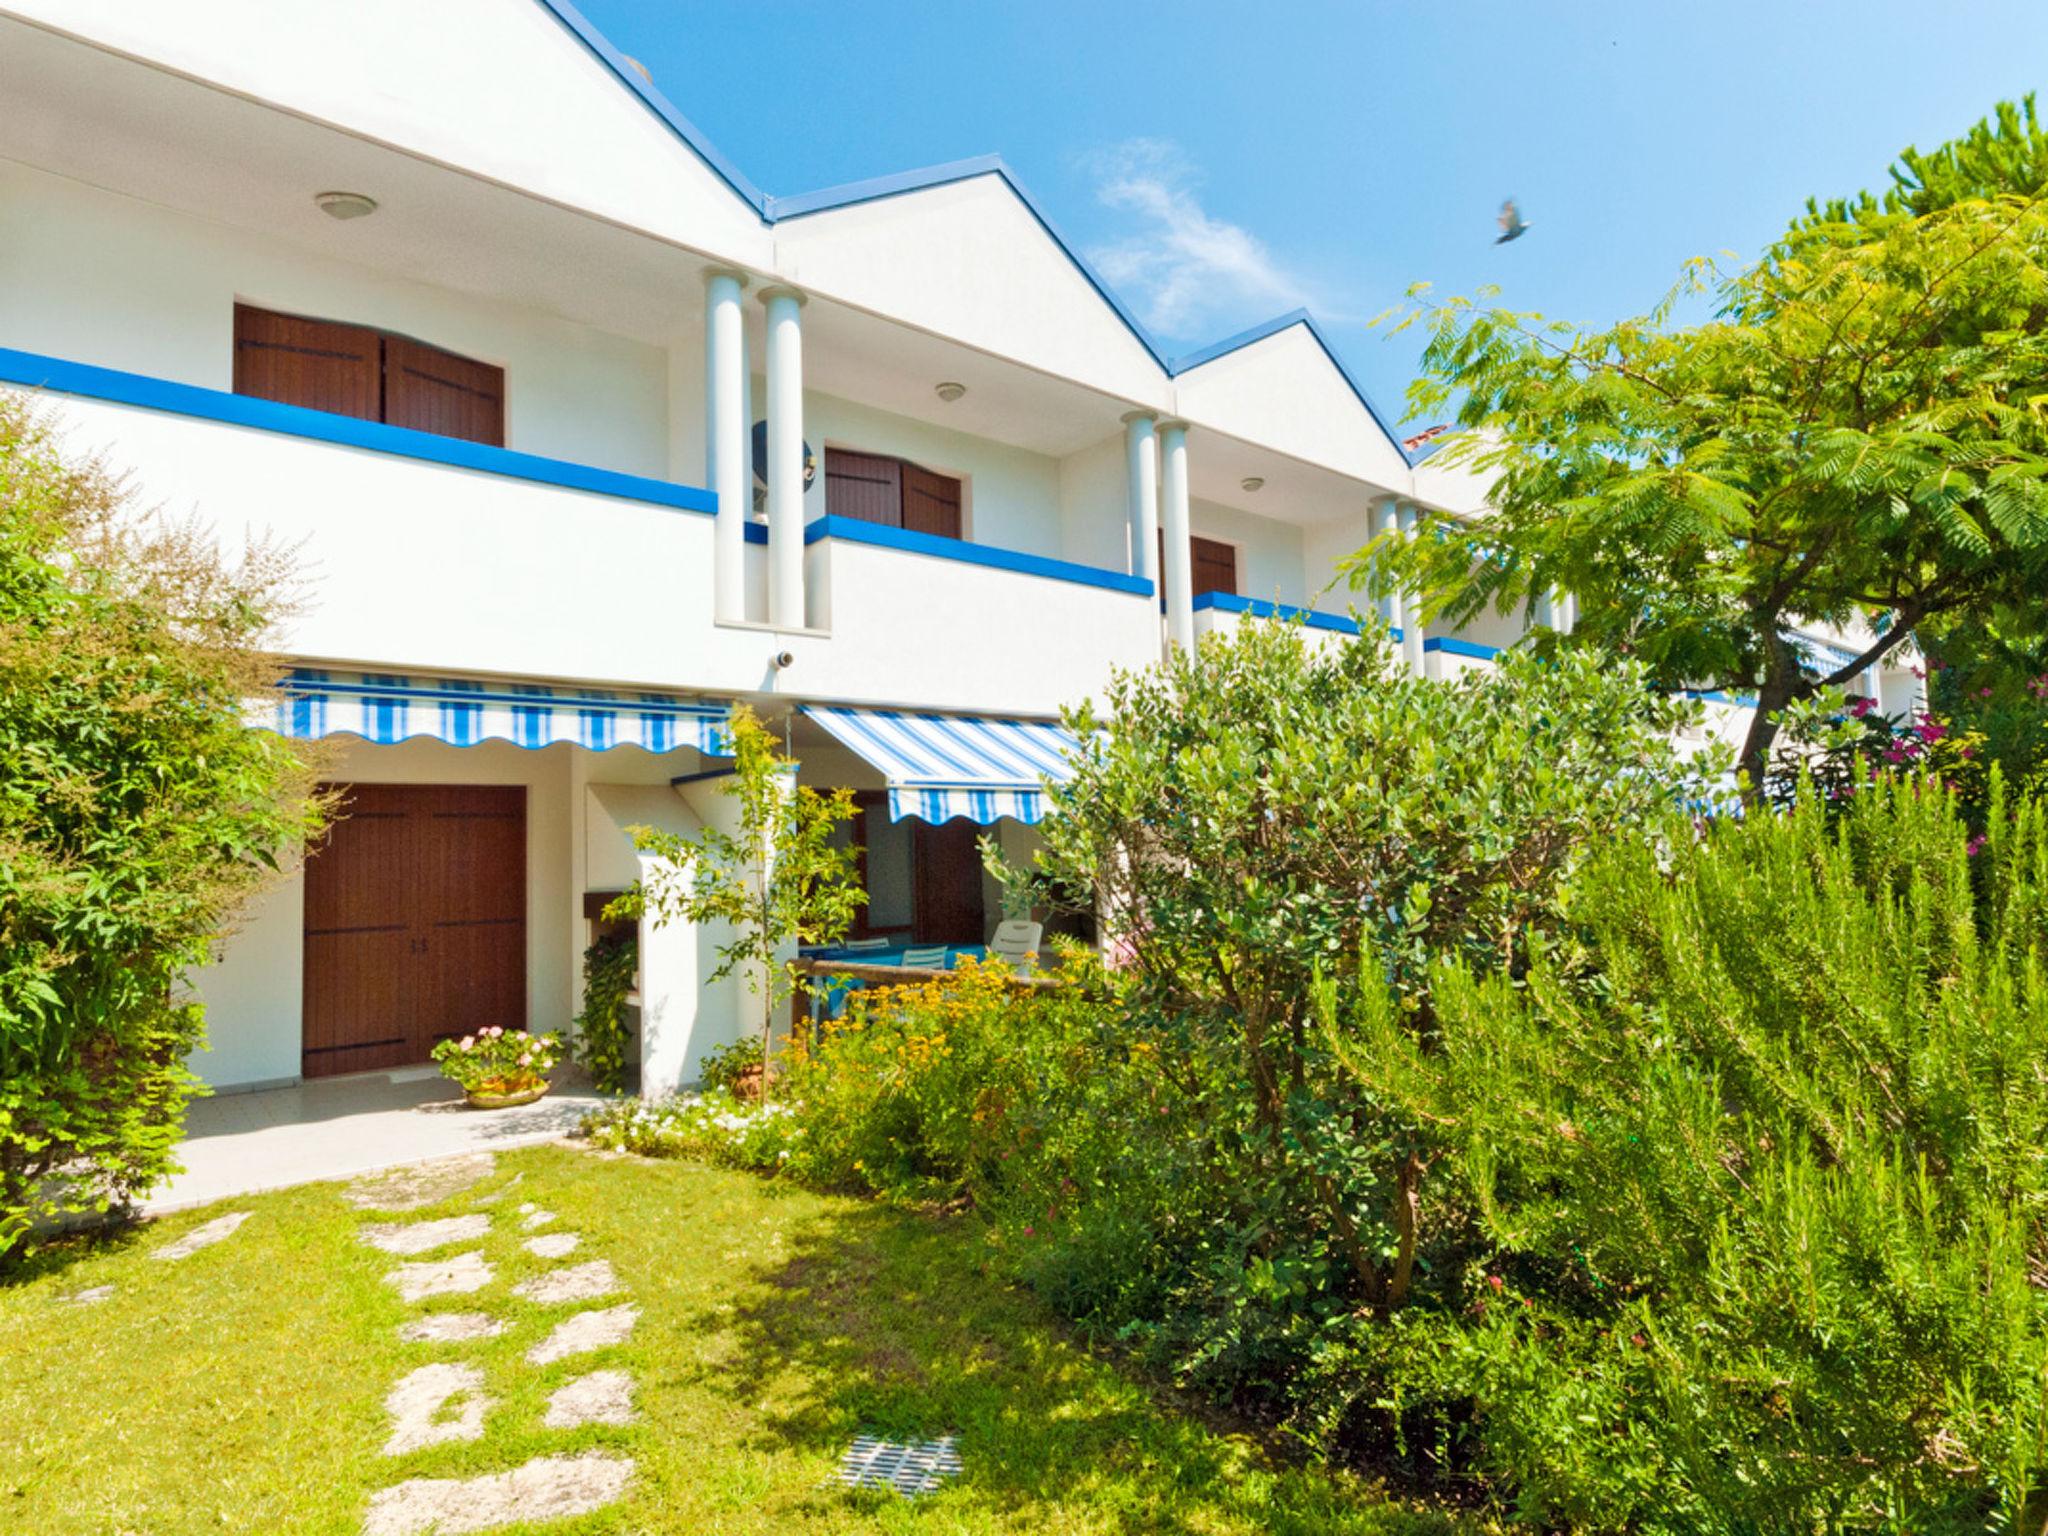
(1755,756)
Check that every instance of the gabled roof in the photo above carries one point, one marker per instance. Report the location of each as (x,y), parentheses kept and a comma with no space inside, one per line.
(773,209)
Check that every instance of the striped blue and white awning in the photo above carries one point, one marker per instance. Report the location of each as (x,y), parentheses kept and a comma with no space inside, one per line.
(942,766)
(384,708)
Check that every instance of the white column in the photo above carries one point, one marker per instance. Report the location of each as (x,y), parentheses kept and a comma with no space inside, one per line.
(1391,607)
(1173,511)
(785,457)
(725,438)
(1141,474)
(1411,629)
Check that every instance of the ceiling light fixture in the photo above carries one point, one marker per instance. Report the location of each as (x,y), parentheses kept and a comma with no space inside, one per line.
(344,205)
(1252,482)
(949,391)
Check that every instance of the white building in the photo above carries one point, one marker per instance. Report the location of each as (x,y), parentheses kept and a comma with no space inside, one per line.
(453,298)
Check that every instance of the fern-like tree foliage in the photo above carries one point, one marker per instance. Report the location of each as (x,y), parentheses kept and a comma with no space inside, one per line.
(1758,1156)
(1857,437)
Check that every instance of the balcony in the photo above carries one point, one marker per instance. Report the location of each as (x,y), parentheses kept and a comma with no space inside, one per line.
(424,553)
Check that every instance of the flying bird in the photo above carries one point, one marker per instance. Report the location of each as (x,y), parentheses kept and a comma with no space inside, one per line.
(1512,224)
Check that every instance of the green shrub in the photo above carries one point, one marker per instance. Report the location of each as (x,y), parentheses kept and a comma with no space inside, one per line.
(730,1067)
(1758,1166)
(137,813)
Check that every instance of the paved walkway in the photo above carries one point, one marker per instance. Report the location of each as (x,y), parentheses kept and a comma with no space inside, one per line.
(334,1128)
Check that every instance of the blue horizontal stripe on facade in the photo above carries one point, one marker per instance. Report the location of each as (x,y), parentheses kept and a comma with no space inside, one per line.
(34,371)
(1451,646)
(1260,608)
(854,531)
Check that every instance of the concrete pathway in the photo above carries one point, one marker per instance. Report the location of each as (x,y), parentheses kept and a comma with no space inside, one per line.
(333,1128)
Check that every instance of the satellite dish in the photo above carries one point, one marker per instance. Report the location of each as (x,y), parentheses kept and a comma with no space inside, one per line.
(761,458)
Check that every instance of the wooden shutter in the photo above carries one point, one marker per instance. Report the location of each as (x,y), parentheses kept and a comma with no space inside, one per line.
(1214,565)
(315,363)
(931,503)
(434,391)
(863,486)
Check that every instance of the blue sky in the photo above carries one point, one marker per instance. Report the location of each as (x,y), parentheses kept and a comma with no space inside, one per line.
(1225,162)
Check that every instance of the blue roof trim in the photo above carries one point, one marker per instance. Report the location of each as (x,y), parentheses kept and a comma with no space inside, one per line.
(32,370)
(1274,327)
(854,531)
(829,198)
(797,205)
(622,68)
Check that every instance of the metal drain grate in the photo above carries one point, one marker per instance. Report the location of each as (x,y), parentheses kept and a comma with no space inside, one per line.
(910,1468)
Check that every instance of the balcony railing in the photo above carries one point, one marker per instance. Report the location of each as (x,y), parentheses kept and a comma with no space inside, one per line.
(431,553)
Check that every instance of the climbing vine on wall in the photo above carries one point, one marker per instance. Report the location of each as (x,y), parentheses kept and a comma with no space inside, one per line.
(609,967)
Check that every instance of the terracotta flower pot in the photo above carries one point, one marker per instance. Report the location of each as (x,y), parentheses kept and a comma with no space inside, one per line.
(747,1085)
(483,1098)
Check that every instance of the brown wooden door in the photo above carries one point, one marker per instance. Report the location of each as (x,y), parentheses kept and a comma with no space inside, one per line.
(434,391)
(946,883)
(931,503)
(863,486)
(315,363)
(1214,564)
(415,924)
(473,895)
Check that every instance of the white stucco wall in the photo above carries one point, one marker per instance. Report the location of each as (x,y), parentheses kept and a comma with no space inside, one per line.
(499,89)
(1095,516)
(253,994)
(93,277)
(1269,559)
(1010,496)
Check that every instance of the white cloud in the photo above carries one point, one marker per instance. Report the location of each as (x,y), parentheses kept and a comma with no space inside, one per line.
(1188,274)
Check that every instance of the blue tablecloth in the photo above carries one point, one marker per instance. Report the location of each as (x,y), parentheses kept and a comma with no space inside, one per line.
(833,1001)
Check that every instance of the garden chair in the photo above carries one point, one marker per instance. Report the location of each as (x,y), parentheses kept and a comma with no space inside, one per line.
(1017,941)
(928,957)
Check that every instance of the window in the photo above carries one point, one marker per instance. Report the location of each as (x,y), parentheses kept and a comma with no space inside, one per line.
(873,489)
(353,370)
(1213,564)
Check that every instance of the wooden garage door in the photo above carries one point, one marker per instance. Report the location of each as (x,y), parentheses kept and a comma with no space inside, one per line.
(415,924)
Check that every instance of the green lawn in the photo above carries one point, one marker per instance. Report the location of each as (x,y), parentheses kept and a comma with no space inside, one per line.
(242,1389)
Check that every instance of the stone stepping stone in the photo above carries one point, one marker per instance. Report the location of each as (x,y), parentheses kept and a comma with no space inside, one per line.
(450,1328)
(433,1404)
(584,1332)
(441,1277)
(86,1297)
(546,1488)
(202,1237)
(535,1217)
(578,1282)
(419,1184)
(409,1237)
(552,1245)
(602,1397)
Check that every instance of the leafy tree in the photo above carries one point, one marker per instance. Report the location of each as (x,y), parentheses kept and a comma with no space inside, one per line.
(1255,813)
(1758,1171)
(138,812)
(778,879)
(1858,438)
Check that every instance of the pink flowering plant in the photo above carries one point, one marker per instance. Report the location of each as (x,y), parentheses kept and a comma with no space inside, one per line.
(499,1061)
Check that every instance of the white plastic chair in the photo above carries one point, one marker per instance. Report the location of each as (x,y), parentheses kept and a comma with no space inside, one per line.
(1017,941)
(927,957)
